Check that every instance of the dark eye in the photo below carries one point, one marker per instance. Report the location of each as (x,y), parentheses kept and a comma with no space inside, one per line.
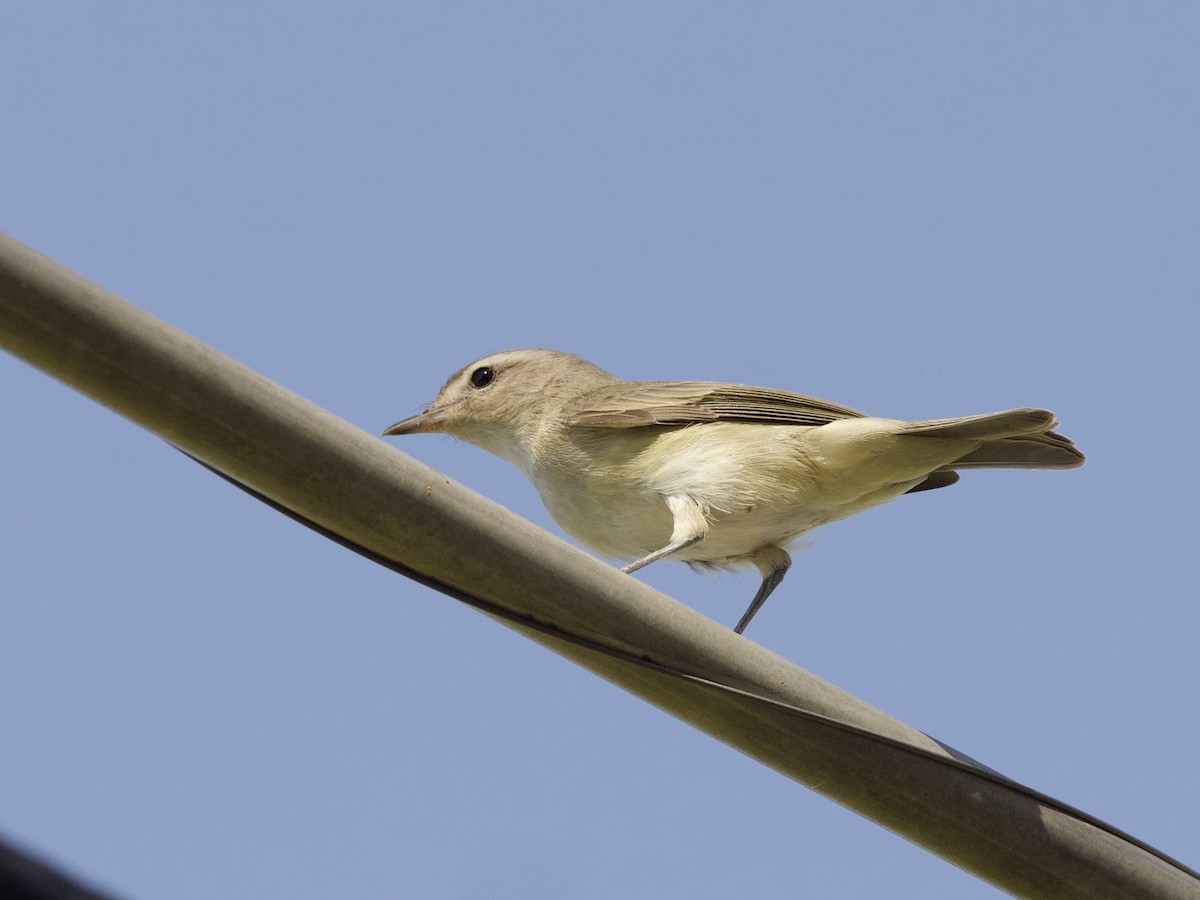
(483,376)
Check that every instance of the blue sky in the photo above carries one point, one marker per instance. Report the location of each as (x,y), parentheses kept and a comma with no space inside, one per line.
(918,210)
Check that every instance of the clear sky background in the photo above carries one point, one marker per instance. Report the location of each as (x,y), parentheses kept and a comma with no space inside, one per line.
(919,210)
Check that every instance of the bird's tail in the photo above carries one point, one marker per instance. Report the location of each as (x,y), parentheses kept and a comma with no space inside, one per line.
(1015,439)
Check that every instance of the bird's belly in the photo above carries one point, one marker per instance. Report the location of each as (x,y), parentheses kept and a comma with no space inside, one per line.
(756,487)
(633,523)
(625,525)
(734,535)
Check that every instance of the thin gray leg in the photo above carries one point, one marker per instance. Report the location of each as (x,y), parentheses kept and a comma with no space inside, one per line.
(690,527)
(773,562)
(673,547)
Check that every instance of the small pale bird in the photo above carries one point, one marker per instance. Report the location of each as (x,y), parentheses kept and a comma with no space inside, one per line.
(708,473)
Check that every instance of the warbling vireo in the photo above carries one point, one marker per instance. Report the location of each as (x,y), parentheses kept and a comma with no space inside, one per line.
(708,473)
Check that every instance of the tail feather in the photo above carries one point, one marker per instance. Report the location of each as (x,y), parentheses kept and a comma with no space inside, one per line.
(1010,423)
(1017,438)
(1034,451)
(939,479)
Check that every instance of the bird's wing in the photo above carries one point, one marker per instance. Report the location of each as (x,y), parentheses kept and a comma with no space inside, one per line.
(635,404)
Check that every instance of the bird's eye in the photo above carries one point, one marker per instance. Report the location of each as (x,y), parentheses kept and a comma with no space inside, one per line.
(483,376)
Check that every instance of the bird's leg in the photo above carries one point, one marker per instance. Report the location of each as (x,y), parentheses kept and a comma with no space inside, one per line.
(773,562)
(690,528)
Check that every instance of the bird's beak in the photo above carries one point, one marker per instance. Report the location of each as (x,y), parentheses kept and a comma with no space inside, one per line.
(430,420)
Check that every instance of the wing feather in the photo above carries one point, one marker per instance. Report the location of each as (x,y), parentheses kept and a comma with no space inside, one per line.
(637,404)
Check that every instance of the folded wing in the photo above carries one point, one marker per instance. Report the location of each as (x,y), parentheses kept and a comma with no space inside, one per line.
(636,404)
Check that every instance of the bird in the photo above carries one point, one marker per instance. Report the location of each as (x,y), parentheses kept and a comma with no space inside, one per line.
(712,474)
